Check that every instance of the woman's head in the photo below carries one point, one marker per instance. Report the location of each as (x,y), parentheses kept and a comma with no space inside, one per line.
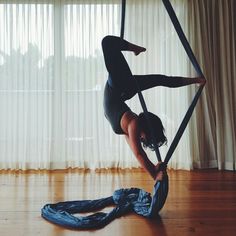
(157,128)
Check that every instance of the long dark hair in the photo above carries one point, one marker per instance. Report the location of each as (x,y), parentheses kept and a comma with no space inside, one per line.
(157,127)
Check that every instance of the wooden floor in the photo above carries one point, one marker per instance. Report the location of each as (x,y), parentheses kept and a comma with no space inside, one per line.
(199,202)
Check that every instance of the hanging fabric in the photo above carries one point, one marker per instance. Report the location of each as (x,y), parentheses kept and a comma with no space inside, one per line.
(133,199)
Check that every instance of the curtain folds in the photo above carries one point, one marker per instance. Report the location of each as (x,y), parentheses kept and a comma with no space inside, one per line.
(214,31)
(51,84)
(52,76)
(148,24)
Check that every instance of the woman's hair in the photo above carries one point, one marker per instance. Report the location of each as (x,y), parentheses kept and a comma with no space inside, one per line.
(157,128)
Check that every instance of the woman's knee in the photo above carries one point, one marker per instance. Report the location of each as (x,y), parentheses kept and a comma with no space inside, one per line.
(109,41)
(106,41)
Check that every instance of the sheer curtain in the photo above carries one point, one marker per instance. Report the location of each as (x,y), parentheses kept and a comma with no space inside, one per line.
(148,24)
(214,31)
(52,76)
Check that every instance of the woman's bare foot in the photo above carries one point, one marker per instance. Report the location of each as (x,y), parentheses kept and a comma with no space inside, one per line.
(136,49)
(139,50)
(201,80)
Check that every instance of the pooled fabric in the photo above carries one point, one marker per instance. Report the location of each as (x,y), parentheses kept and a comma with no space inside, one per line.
(124,201)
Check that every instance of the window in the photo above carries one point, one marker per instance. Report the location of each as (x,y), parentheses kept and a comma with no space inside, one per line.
(52,76)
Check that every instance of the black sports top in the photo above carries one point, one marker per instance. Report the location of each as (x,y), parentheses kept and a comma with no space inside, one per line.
(114,107)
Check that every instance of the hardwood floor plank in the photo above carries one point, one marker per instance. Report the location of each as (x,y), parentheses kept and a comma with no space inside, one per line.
(198,203)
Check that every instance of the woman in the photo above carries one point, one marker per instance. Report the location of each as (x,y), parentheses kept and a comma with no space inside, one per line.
(121,86)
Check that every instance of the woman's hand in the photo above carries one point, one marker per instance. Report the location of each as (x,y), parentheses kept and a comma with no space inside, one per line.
(160,169)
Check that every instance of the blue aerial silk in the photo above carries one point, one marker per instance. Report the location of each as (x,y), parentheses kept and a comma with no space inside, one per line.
(133,199)
(124,201)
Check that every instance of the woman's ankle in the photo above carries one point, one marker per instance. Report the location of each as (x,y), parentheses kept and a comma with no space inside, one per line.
(136,49)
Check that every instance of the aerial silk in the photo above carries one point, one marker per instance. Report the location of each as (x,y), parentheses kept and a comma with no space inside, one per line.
(124,201)
(133,199)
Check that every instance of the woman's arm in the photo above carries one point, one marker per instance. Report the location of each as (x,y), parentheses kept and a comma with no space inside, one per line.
(133,139)
(131,128)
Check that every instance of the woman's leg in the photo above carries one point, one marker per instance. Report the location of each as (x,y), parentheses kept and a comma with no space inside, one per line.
(115,62)
(121,75)
(153,80)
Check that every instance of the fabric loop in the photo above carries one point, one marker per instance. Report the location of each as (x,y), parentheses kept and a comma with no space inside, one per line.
(125,201)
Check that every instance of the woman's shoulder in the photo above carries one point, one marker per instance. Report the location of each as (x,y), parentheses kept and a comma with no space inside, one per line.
(128,121)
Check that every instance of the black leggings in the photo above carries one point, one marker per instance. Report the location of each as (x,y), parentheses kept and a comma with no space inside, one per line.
(120,75)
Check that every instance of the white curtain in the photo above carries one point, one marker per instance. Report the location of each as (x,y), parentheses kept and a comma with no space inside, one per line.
(52,76)
(148,24)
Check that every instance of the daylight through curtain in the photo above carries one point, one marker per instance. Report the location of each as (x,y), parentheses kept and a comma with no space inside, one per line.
(52,76)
